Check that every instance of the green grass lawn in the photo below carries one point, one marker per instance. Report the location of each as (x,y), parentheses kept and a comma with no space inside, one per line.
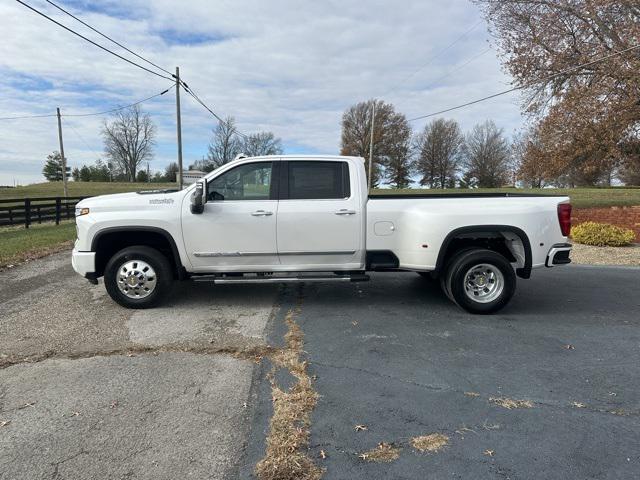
(18,244)
(580,197)
(78,189)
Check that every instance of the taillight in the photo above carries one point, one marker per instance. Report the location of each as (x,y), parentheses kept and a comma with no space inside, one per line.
(564,218)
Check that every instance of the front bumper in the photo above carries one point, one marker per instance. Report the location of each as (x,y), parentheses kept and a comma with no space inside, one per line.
(84,263)
(558,255)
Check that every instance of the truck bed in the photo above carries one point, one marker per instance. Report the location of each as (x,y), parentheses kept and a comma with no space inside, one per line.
(393,196)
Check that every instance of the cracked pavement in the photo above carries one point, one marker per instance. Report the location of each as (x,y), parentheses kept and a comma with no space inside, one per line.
(112,393)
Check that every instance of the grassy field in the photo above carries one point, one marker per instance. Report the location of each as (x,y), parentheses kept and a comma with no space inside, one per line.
(18,244)
(78,189)
(580,197)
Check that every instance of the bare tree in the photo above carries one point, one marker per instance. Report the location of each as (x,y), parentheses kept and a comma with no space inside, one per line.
(129,139)
(261,143)
(398,162)
(390,141)
(487,156)
(224,146)
(439,149)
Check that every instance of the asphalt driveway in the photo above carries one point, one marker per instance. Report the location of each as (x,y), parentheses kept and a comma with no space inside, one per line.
(91,390)
(395,358)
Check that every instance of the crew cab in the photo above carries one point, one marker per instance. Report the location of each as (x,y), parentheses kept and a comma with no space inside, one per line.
(311,218)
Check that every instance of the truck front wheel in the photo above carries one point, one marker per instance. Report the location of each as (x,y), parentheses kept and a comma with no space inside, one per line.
(480,281)
(138,277)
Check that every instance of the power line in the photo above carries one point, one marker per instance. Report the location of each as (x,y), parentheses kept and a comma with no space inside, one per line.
(77,134)
(28,116)
(434,57)
(91,41)
(107,37)
(118,108)
(184,85)
(215,115)
(451,72)
(521,87)
(94,113)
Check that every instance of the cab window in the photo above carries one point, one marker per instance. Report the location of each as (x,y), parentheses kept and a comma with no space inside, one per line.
(251,181)
(318,180)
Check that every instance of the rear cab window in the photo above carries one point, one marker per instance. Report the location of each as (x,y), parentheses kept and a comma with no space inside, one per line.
(315,180)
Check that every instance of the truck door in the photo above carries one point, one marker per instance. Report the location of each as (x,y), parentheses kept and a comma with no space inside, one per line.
(237,230)
(320,216)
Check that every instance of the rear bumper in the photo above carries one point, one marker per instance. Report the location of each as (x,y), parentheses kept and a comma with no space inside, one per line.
(84,263)
(558,255)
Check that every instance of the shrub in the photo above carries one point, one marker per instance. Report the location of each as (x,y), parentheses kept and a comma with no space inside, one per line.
(602,234)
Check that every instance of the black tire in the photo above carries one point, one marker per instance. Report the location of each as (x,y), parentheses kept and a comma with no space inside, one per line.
(160,266)
(456,276)
(445,276)
(444,285)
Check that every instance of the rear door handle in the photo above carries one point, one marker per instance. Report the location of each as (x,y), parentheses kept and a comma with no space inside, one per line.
(344,211)
(261,213)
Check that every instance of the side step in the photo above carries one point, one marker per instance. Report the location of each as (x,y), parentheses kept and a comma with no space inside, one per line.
(359,277)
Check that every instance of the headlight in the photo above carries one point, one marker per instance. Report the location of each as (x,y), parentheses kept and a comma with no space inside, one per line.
(81,211)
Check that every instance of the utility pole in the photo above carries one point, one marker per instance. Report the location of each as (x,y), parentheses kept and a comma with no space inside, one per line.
(373,119)
(148,174)
(179,128)
(64,160)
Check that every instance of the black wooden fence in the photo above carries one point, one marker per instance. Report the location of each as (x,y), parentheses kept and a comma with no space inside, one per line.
(26,211)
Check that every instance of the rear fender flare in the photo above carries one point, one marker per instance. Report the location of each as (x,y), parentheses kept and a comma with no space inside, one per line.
(523,272)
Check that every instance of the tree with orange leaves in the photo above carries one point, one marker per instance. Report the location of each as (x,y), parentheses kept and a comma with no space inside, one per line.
(585,117)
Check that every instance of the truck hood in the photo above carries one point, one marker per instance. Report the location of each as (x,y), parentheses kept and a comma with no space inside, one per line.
(132,200)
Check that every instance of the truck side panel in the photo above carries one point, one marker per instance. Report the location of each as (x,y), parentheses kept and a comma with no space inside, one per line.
(415,229)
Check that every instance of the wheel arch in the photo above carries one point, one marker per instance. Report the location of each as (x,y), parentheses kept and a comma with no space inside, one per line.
(110,240)
(446,248)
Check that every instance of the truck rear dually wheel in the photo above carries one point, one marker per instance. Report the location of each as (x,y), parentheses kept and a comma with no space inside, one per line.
(480,281)
(138,277)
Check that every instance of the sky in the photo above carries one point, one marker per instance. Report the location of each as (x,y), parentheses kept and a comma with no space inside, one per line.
(286,66)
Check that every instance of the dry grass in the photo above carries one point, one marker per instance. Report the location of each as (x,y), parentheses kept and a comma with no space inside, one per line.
(286,456)
(384,452)
(430,443)
(254,353)
(510,403)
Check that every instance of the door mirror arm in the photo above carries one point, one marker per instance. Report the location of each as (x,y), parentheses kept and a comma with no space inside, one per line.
(199,197)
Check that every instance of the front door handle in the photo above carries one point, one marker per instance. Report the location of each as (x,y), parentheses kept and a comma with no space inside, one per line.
(261,213)
(344,211)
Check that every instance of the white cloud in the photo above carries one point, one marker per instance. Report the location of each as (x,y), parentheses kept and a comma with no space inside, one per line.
(286,66)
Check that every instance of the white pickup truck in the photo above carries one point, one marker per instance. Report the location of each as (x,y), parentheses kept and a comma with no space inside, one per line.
(311,218)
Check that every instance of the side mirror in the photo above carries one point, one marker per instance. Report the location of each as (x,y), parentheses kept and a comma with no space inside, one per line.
(199,197)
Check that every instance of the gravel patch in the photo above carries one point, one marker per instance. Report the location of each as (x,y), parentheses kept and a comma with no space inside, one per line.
(588,255)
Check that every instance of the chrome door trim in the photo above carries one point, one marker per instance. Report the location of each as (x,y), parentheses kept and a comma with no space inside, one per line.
(343,252)
(263,254)
(233,254)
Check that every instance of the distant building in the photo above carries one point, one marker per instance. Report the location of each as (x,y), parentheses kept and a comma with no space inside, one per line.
(191,176)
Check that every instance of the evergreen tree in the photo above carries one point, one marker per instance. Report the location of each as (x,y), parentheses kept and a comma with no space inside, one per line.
(52,170)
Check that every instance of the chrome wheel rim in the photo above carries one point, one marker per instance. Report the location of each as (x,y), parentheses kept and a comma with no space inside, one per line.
(483,283)
(136,279)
